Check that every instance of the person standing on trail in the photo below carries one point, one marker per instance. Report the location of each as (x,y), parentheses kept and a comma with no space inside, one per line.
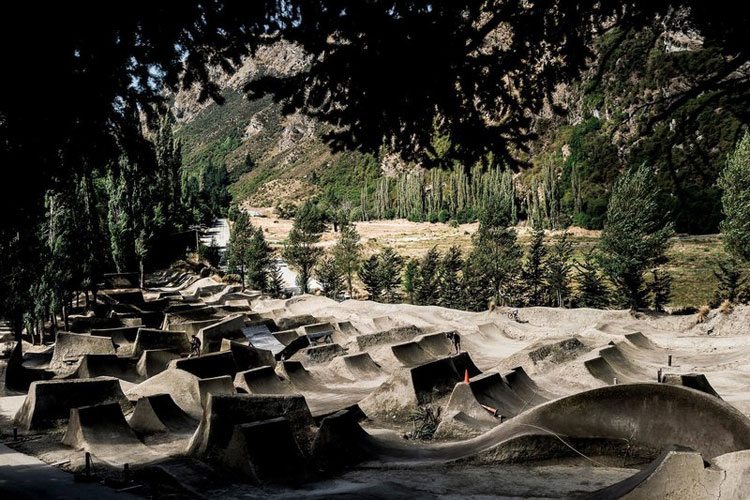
(195,346)
(455,339)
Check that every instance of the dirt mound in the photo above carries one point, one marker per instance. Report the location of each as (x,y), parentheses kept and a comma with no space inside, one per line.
(464,416)
(696,381)
(558,352)
(208,365)
(107,365)
(318,354)
(228,328)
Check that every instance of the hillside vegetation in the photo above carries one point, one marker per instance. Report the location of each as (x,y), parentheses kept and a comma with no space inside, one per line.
(635,104)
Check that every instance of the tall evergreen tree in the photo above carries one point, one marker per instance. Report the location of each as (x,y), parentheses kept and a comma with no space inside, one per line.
(411,271)
(300,249)
(239,242)
(592,291)
(496,253)
(661,288)
(635,236)
(369,274)
(347,252)
(534,273)
(735,183)
(559,266)
(390,265)
(427,286)
(275,280)
(450,279)
(258,260)
(329,276)
(731,281)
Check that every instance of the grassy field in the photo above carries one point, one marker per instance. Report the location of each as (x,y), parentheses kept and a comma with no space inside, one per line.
(692,259)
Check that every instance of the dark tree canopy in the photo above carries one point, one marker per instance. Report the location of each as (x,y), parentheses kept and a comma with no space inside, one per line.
(397,73)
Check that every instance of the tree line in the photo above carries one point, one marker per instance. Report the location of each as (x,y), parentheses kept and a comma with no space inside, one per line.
(102,220)
(627,268)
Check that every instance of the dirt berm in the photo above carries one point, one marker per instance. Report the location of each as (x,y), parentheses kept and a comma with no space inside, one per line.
(159,413)
(645,416)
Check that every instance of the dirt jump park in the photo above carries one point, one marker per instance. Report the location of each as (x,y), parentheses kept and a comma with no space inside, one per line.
(310,397)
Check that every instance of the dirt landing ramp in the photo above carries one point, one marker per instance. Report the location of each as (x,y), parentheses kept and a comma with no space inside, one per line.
(492,390)
(159,413)
(696,381)
(263,380)
(49,402)
(108,365)
(103,431)
(359,367)
(148,338)
(645,416)
(70,347)
(319,354)
(223,413)
(154,361)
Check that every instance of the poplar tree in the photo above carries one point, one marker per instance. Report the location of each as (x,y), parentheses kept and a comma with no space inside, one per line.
(735,183)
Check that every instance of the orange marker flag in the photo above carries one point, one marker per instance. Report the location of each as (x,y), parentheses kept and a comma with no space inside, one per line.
(466,376)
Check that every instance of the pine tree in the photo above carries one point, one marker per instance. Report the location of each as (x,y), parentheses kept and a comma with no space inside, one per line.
(390,265)
(559,266)
(275,280)
(410,278)
(347,253)
(427,286)
(496,253)
(369,274)
(449,278)
(735,182)
(636,234)
(534,272)
(300,250)
(731,281)
(661,288)
(330,277)
(592,292)
(475,293)
(237,247)
(258,259)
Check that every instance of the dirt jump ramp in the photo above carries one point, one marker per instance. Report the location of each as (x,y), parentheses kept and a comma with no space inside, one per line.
(407,388)
(159,413)
(150,339)
(464,416)
(263,380)
(70,347)
(228,328)
(266,451)
(492,390)
(49,402)
(19,377)
(103,431)
(696,381)
(208,365)
(223,413)
(319,354)
(247,356)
